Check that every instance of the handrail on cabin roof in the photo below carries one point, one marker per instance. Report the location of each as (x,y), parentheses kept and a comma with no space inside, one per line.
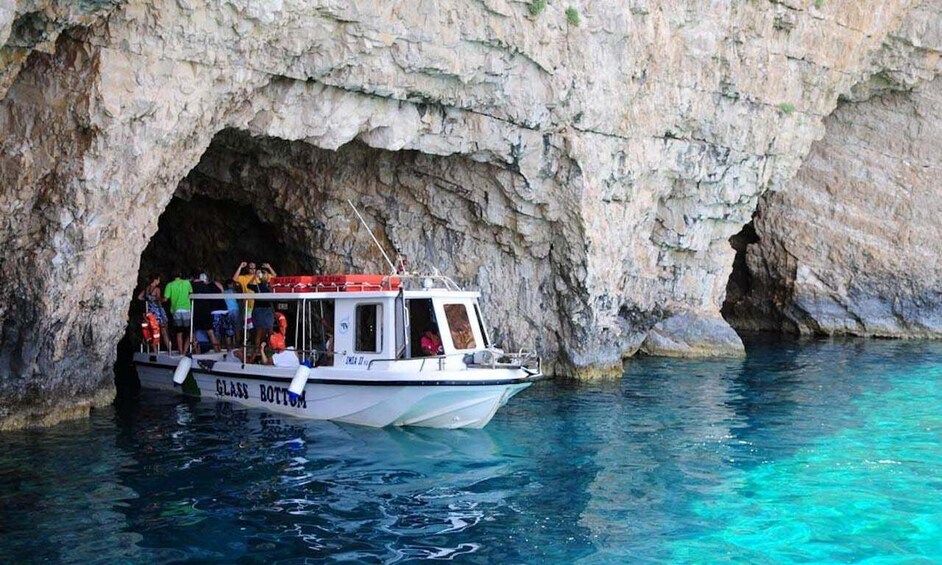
(322,295)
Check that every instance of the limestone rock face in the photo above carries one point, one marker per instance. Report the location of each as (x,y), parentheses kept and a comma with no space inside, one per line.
(585,178)
(686,335)
(34,25)
(851,245)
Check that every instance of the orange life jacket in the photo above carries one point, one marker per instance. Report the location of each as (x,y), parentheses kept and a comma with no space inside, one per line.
(150,329)
(281,322)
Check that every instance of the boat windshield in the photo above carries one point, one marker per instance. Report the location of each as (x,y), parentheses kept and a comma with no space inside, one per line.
(459,324)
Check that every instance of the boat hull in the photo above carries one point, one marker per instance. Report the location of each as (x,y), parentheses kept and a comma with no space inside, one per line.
(448,401)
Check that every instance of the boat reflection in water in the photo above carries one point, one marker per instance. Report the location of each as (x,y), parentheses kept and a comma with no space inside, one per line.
(317,488)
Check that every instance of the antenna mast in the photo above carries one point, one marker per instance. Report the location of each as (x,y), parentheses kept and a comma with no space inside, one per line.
(373,237)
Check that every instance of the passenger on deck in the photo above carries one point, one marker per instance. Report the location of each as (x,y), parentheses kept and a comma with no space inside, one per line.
(281,357)
(263,314)
(251,274)
(222,325)
(244,276)
(153,300)
(327,358)
(431,343)
(204,311)
(232,307)
(250,356)
(178,293)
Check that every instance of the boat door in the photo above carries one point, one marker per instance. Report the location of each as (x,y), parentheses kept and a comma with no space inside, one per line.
(364,330)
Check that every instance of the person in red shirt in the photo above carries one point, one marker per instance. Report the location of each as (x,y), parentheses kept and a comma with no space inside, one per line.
(431,343)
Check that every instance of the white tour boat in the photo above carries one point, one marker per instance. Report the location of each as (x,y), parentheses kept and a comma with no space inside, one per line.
(372,371)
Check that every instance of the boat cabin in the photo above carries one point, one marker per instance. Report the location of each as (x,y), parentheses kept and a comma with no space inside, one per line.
(348,321)
(370,325)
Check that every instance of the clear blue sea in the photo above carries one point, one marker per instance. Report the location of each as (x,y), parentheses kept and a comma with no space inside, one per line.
(815,452)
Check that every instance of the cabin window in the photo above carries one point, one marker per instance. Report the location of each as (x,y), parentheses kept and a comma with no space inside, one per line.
(477,311)
(369,332)
(460,326)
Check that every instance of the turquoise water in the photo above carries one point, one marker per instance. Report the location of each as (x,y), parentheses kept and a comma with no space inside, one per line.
(814,453)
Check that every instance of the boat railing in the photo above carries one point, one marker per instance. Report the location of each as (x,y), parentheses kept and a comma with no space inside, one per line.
(494,357)
(428,281)
(295,285)
(438,359)
(299,287)
(529,361)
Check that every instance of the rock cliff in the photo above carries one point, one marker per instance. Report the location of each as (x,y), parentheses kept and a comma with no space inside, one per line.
(851,244)
(584,173)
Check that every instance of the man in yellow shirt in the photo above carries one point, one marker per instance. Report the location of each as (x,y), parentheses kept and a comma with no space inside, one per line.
(244,280)
(250,278)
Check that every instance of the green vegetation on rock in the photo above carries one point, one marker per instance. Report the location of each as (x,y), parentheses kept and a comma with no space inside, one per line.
(536,7)
(572,16)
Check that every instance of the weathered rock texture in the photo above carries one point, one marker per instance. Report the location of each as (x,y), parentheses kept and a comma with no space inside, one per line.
(586,178)
(852,244)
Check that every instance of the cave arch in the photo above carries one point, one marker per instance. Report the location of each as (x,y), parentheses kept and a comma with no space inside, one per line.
(848,247)
(268,199)
(114,105)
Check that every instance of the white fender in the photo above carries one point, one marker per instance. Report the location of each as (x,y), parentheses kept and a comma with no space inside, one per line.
(299,381)
(183,369)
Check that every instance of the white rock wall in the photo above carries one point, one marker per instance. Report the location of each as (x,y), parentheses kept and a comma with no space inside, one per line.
(624,151)
(851,245)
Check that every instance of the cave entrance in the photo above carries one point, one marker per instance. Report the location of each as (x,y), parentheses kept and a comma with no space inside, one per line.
(751,302)
(268,200)
(265,199)
(219,216)
(198,234)
(740,283)
(203,234)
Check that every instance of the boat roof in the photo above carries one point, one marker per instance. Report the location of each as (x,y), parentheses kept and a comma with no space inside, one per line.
(344,295)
